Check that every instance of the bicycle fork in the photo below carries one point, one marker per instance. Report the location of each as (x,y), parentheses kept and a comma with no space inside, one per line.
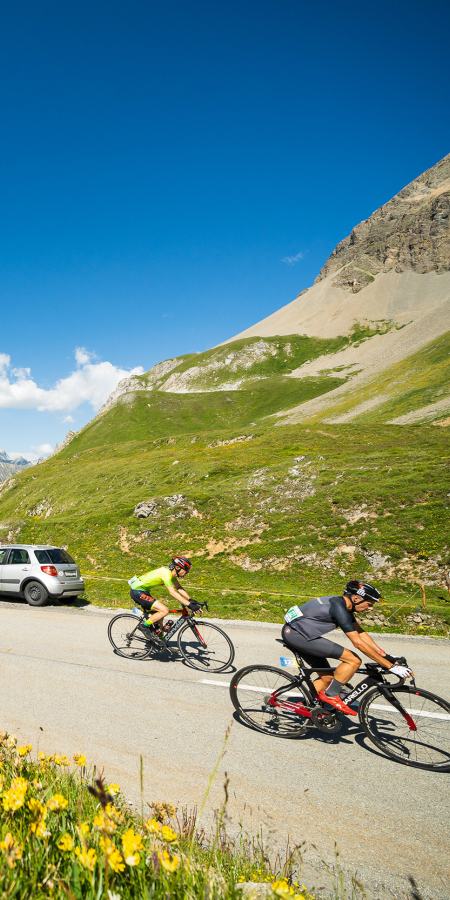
(384,689)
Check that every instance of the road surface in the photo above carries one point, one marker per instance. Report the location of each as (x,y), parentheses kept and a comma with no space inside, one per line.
(58,673)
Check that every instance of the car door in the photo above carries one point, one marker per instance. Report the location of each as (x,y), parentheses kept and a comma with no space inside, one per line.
(3,555)
(15,570)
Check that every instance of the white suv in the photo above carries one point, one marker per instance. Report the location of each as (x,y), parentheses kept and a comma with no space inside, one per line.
(38,572)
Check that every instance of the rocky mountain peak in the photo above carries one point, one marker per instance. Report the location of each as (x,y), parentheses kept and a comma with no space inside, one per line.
(411,231)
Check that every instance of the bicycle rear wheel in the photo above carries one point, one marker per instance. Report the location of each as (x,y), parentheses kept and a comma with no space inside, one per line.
(126,639)
(205,646)
(252,688)
(422,741)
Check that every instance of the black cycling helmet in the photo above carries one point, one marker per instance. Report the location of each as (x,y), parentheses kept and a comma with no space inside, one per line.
(365,591)
(181,562)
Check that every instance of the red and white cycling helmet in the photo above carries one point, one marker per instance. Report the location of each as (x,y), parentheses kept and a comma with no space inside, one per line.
(181,562)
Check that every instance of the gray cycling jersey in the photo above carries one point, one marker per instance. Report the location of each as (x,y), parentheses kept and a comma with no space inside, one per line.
(319,616)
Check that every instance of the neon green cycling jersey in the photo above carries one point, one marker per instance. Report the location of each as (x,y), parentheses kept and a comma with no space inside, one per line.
(156,577)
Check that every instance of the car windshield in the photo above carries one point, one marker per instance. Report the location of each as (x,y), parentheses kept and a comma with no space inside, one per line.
(52,555)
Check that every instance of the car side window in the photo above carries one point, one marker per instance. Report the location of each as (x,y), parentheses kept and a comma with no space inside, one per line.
(16,557)
(2,555)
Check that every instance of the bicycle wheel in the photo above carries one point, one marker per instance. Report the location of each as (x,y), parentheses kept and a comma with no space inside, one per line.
(423,741)
(252,688)
(126,639)
(205,646)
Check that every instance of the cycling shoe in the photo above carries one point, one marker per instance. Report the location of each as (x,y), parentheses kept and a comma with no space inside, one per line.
(337,703)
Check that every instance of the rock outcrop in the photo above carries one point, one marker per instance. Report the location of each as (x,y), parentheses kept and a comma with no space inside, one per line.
(411,231)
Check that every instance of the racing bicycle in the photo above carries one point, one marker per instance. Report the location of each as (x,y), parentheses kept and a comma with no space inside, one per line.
(405,722)
(201,644)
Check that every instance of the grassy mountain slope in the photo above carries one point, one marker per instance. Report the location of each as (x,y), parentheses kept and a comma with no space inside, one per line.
(268,515)
(144,414)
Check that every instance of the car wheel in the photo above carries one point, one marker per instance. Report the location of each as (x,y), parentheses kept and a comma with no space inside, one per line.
(35,594)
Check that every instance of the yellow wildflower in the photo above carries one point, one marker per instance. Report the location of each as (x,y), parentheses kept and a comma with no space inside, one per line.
(57,803)
(169,834)
(23,751)
(83,830)
(170,810)
(39,829)
(115,858)
(12,741)
(61,760)
(169,863)
(11,849)
(113,813)
(87,858)
(15,797)
(79,759)
(38,811)
(66,843)
(131,842)
(113,789)
(153,826)
(104,823)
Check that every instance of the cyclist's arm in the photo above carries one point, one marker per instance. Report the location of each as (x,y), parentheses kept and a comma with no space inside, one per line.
(367,638)
(362,641)
(179,594)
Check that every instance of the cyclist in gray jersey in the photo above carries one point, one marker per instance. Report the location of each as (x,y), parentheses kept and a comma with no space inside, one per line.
(305,629)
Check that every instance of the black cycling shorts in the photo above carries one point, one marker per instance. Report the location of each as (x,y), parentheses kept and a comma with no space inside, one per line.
(142,598)
(314,652)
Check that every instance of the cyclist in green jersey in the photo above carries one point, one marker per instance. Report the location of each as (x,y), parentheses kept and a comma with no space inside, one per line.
(168,576)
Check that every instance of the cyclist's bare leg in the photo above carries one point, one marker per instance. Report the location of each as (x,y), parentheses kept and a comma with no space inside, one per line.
(349,665)
(160,610)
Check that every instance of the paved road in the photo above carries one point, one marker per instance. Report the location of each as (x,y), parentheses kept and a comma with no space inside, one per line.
(58,673)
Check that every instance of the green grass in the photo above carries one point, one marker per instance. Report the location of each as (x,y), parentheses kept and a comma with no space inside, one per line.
(262,529)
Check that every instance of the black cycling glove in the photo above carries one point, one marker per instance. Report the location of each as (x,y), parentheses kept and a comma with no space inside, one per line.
(194,606)
(400,660)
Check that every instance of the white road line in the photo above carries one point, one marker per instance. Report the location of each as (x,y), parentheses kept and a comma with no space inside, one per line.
(412,712)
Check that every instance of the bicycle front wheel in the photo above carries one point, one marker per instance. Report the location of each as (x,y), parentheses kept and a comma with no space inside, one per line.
(421,739)
(263,696)
(205,646)
(126,638)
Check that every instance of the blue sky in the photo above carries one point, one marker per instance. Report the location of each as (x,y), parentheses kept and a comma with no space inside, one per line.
(158,162)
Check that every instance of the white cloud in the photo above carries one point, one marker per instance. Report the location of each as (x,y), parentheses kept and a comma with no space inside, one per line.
(35,452)
(292,259)
(68,419)
(91,382)
(83,356)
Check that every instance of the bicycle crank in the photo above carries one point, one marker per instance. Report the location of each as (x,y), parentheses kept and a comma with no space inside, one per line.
(325,721)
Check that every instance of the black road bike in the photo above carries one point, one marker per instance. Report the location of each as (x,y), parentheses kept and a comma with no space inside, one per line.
(405,722)
(201,644)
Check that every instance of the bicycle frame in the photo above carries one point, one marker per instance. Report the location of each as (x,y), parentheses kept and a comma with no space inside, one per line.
(373,677)
(186,617)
